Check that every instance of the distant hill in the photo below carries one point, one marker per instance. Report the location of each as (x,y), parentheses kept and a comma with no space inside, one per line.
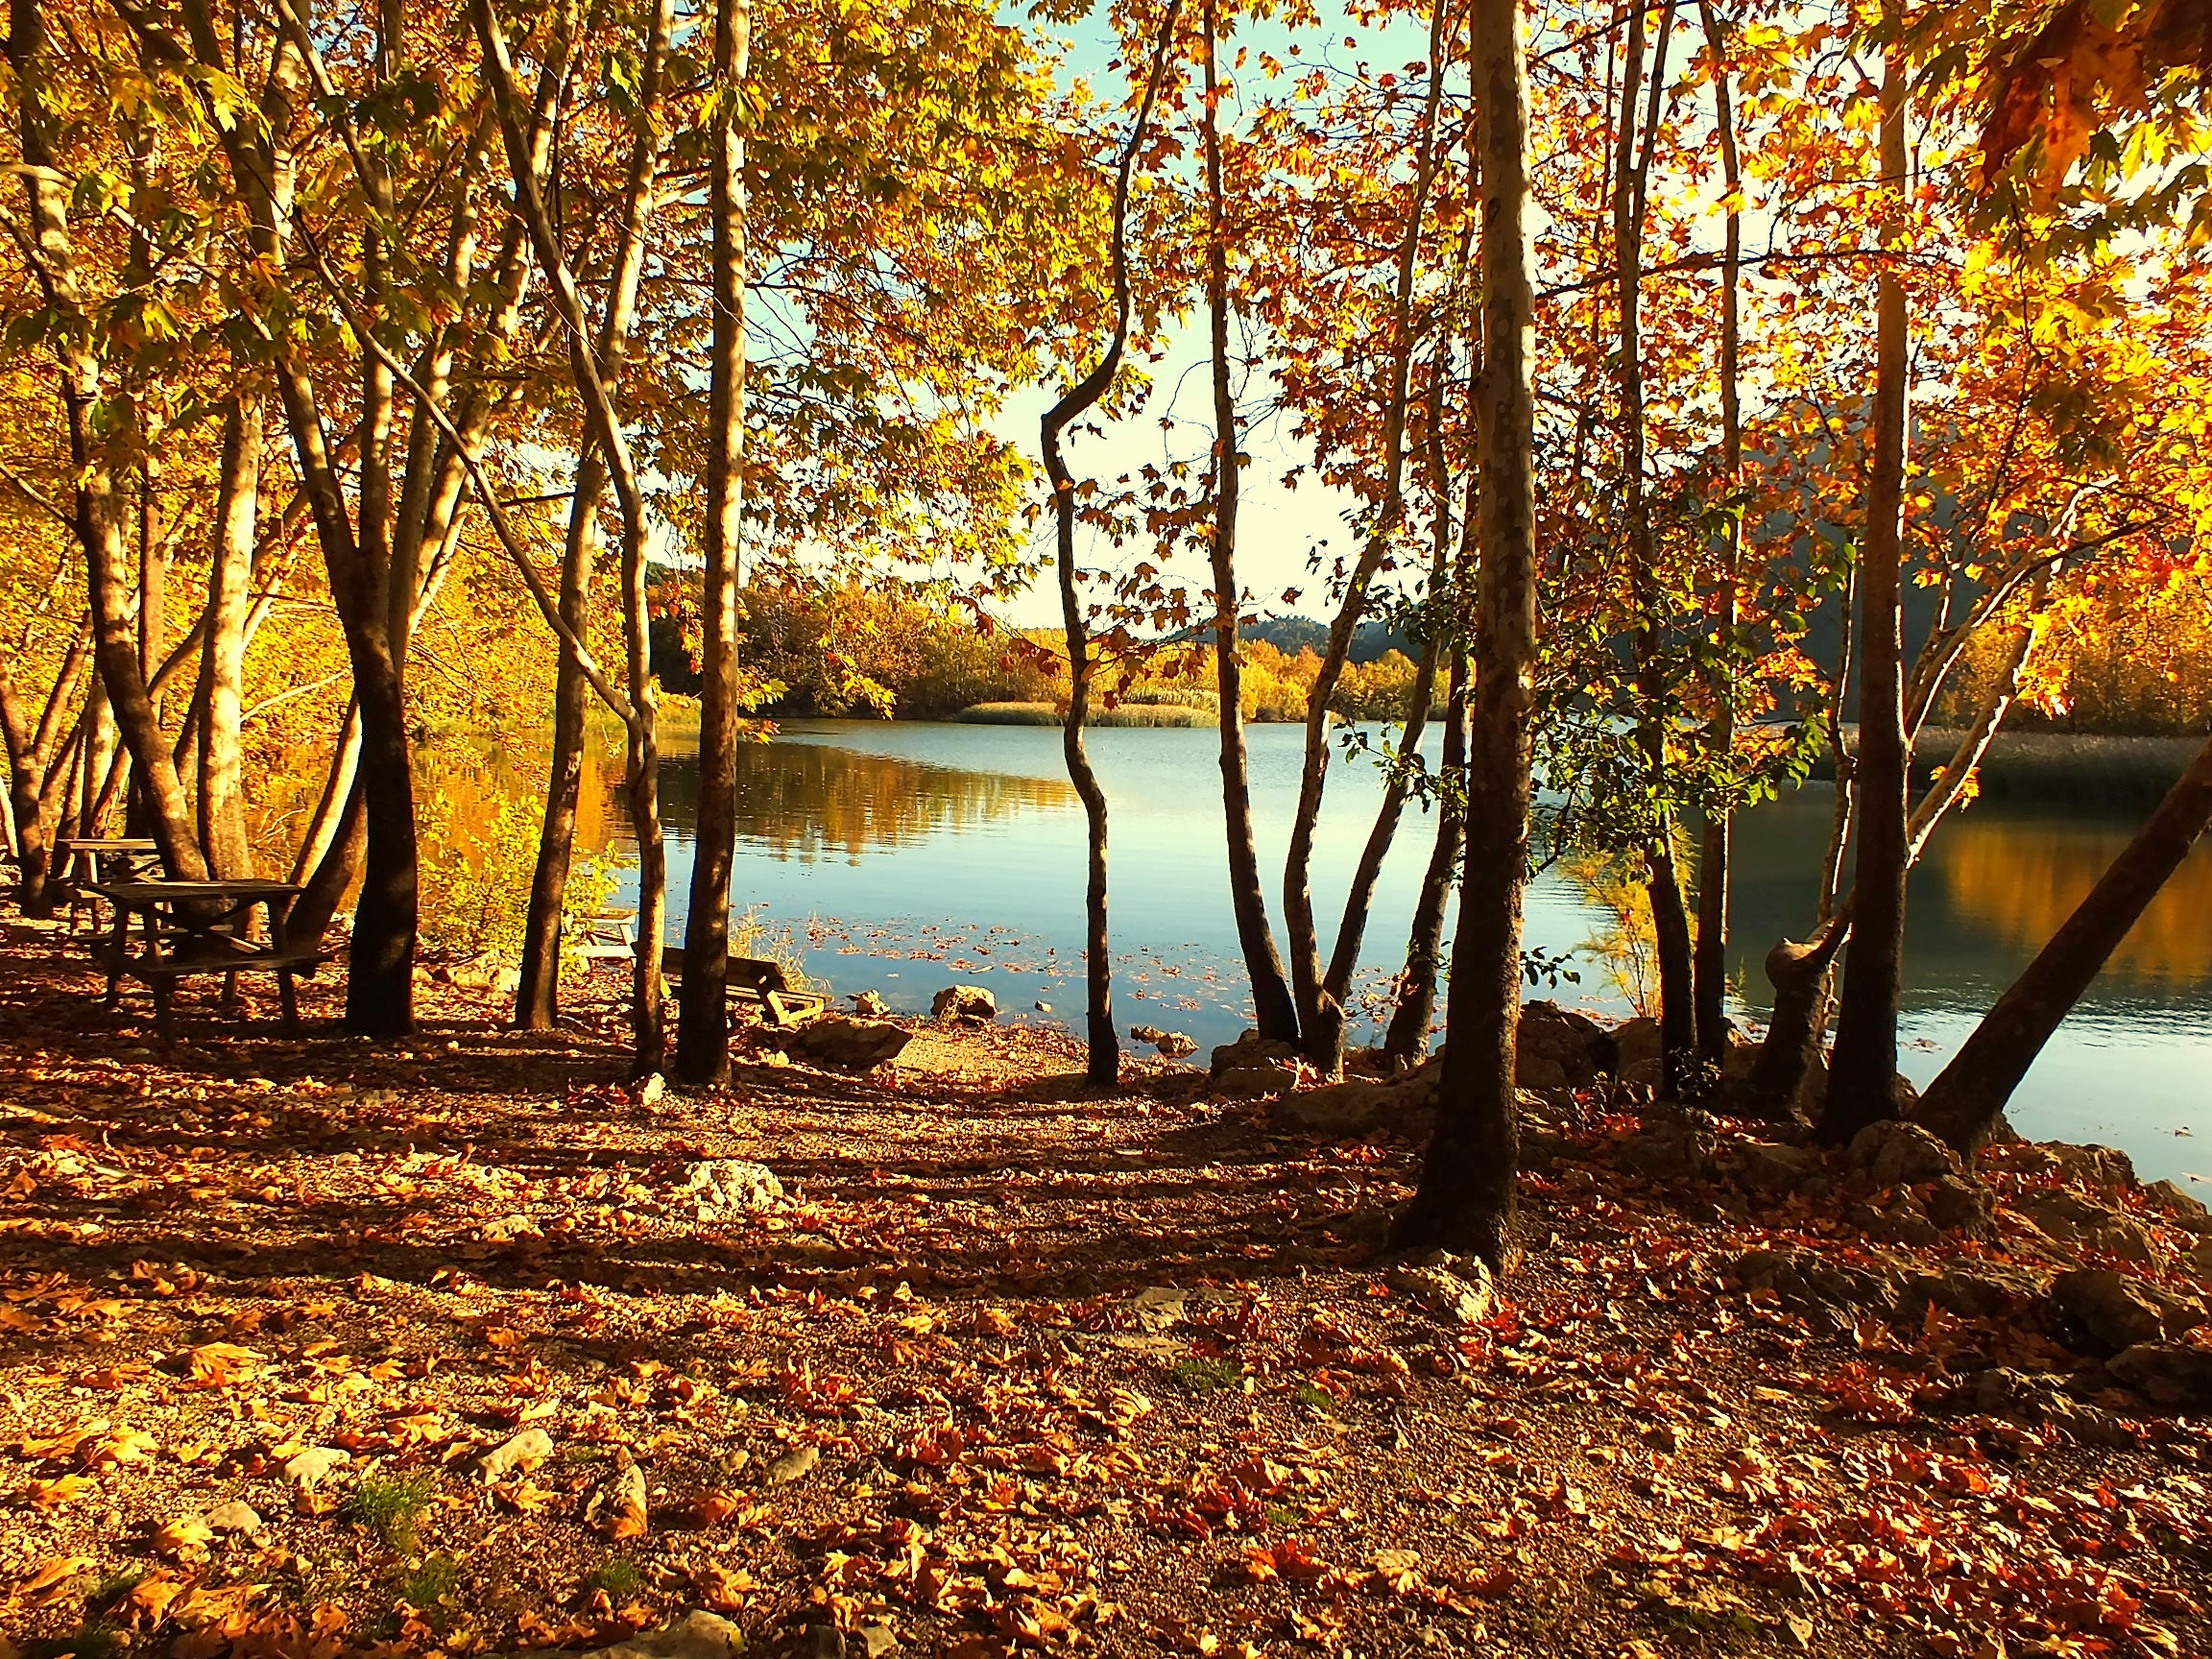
(1291,635)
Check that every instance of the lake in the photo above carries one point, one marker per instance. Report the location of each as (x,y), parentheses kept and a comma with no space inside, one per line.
(905,856)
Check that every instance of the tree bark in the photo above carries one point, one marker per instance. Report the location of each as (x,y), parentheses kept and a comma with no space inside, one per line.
(1465,1198)
(1963,1103)
(1863,1076)
(1102,1046)
(702,1028)
(537,997)
(1717,849)
(229,573)
(1274,1012)
(98,507)
(1407,1038)
(1320,1027)
(1631,186)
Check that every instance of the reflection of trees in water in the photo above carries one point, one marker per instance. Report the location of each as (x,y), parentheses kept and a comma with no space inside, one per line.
(808,800)
(2020,880)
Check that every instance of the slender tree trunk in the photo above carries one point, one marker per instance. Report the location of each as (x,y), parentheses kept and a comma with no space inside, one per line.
(1963,1103)
(1465,1199)
(1862,1076)
(1631,186)
(1275,1014)
(229,573)
(1716,852)
(1407,1038)
(31,772)
(1321,1027)
(537,999)
(702,1030)
(1103,1048)
(98,508)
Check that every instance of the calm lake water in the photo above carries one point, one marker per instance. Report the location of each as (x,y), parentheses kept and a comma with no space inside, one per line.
(901,858)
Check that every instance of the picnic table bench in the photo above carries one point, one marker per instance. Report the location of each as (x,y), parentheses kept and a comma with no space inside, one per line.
(604,934)
(756,982)
(191,927)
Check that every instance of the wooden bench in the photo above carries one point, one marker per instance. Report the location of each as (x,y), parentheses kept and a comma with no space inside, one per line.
(605,935)
(193,927)
(758,984)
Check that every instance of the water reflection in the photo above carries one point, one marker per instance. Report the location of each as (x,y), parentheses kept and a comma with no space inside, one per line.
(808,800)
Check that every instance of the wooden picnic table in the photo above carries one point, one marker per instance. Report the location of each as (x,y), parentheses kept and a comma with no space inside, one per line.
(82,860)
(199,928)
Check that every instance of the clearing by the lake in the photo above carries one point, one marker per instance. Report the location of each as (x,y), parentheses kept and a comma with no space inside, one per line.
(309,1347)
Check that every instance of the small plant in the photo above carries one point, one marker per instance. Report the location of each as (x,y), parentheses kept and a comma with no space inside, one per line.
(388,1510)
(1204,1375)
(617,1577)
(429,1581)
(1305,1394)
(111,1589)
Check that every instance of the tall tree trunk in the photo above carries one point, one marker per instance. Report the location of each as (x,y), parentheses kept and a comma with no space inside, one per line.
(703,1029)
(1631,188)
(32,781)
(1716,847)
(1863,1076)
(537,997)
(639,711)
(1274,1013)
(1407,1038)
(1465,1199)
(229,573)
(1963,1103)
(1104,1046)
(1320,1027)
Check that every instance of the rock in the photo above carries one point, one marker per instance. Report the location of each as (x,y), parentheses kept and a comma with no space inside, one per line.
(2077,1222)
(731,1187)
(2105,1311)
(1638,1052)
(474,974)
(1772,1166)
(697,1635)
(822,1641)
(1042,1007)
(1251,1049)
(1352,1108)
(1825,1293)
(876,1639)
(2201,1258)
(1971,1290)
(312,1466)
(2183,1211)
(1560,1050)
(2004,1392)
(1159,1308)
(653,1090)
(1894,1153)
(847,1044)
(519,1456)
(1256,1082)
(1667,1152)
(234,1516)
(964,1003)
(1957,1205)
(621,1502)
(870,1005)
(1175,1045)
(1459,1294)
(2168,1373)
(793,1465)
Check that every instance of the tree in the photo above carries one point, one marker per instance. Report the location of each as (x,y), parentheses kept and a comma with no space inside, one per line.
(702,1039)
(1465,1197)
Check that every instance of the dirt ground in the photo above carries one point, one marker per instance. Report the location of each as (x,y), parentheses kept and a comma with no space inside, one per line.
(309,1346)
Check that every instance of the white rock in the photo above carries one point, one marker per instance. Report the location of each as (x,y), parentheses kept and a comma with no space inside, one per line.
(733,1187)
(795,1465)
(234,1516)
(697,1635)
(312,1466)
(520,1454)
